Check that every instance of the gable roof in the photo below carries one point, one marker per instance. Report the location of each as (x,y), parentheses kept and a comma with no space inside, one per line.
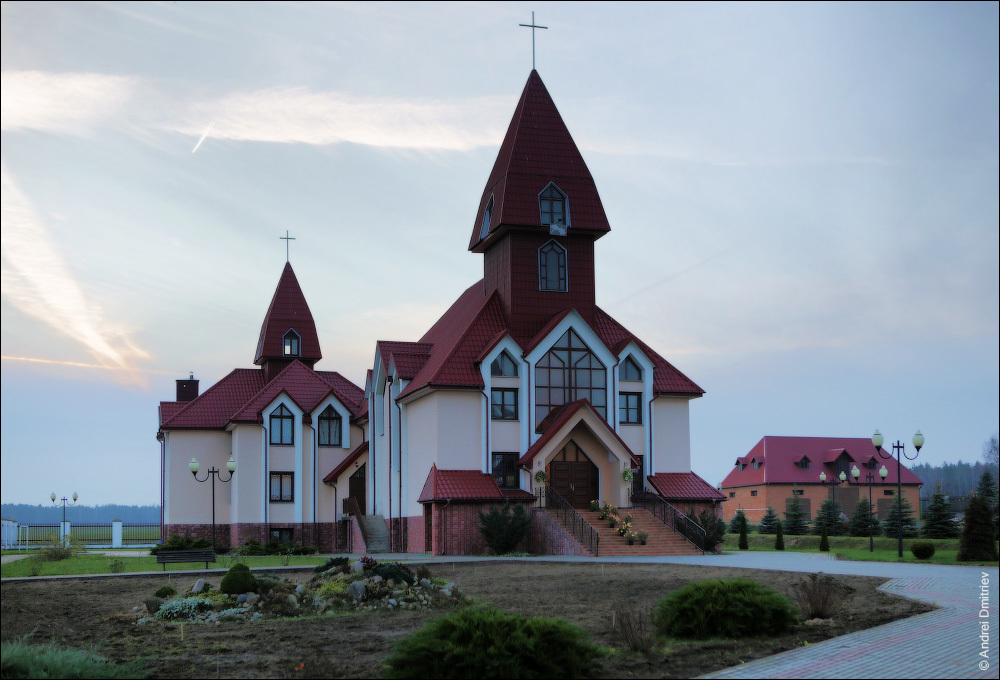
(570,415)
(240,396)
(288,311)
(536,150)
(781,457)
(340,469)
(459,485)
(684,486)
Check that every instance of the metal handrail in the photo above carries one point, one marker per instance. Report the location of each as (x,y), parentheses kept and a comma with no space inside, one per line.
(351,506)
(687,528)
(573,520)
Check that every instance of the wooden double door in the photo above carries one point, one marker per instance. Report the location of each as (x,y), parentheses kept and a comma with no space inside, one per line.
(574,476)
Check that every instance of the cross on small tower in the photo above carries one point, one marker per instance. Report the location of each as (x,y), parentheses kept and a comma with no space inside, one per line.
(532,26)
(286,238)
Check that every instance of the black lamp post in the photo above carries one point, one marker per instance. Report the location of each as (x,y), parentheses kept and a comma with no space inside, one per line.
(65,502)
(869,478)
(899,451)
(213,473)
(834,483)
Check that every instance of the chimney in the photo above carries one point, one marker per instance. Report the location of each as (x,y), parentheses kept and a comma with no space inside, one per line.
(187,390)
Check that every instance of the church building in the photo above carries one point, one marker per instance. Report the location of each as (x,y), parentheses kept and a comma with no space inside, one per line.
(524,390)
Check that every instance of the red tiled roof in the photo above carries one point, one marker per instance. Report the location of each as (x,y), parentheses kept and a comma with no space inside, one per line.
(288,311)
(555,428)
(536,150)
(684,486)
(408,365)
(385,349)
(336,472)
(781,456)
(168,409)
(215,406)
(454,485)
(306,387)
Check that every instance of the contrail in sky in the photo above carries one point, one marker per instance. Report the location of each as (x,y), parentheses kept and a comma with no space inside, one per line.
(204,135)
(81,364)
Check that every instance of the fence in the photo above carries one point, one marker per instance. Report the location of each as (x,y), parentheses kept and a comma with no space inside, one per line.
(114,535)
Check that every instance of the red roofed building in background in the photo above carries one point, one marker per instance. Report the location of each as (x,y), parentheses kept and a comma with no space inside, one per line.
(778,468)
(524,385)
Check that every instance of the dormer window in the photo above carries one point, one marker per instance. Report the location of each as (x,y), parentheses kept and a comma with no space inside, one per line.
(631,371)
(804,463)
(487,218)
(553,210)
(757,464)
(552,267)
(291,344)
(503,366)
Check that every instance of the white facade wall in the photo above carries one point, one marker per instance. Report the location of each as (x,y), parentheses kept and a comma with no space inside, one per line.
(672,442)
(187,501)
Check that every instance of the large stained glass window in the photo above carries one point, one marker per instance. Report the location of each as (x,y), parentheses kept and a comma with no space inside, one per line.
(568,372)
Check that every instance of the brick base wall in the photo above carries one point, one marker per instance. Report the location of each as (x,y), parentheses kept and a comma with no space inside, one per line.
(415,534)
(549,537)
(323,535)
(455,529)
(196,531)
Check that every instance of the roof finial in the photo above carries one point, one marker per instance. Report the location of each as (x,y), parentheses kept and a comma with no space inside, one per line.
(286,238)
(532,26)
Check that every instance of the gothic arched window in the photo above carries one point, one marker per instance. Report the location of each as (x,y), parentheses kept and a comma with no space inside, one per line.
(282,426)
(552,208)
(291,344)
(552,267)
(329,427)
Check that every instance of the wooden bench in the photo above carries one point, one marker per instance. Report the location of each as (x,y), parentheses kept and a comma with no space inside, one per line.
(165,557)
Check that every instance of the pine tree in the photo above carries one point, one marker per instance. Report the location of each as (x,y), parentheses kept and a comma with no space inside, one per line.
(734,523)
(768,521)
(779,537)
(863,520)
(824,542)
(978,537)
(938,522)
(828,518)
(987,488)
(743,545)
(892,521)
(796,523)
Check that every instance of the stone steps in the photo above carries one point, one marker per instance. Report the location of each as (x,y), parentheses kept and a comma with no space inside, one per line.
(376,532)
(662,539)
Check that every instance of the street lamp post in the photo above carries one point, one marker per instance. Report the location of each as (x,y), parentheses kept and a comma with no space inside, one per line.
(65,501)
(834,483)
(869,478)
(213,473)
(899,451)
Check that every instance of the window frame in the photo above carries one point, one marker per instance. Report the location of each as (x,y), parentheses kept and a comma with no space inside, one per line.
(497,368)
(506,470)
(336,428)
(280,476)
(560,280)
(277,435)
(296,339)
(281,535)
(631,366)
(503,392)
(484,229)
(553,196)
(559,377)
(628,409)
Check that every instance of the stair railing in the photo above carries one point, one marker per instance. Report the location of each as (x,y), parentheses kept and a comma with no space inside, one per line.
(574,521)
(351,507)
(687,528)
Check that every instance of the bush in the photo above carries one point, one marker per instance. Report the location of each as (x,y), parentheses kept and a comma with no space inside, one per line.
(21,660)
(394,571)
(239,579)
(922,550)
(979,535)
(165,592)
(779,536)
(729,608)
(714,528)
(824,542)
(743,528)
(503,528)
(266,583)
(56,549)
(821,597)
(183,608)
(768,522)
(631,628)
(487,643)
(178,542)
(332,563)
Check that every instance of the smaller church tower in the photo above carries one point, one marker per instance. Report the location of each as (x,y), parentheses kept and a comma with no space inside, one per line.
(288,332)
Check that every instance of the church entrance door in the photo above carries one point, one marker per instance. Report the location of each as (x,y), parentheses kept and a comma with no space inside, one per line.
(574,476)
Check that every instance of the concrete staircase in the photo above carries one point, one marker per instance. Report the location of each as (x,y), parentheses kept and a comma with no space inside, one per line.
(376,533)
(662,539)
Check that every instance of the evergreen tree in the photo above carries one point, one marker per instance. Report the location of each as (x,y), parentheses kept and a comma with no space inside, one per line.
(796,523)
(768,521)
(892,521)
(987,488)
(979,535)
(828,518)
(779,537)
(743,545)
(938,520)
(738,518)
(824,542)
(863,520)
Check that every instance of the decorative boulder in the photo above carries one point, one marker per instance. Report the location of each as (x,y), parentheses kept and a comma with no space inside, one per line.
(199,585)
(153,604)
(356,590)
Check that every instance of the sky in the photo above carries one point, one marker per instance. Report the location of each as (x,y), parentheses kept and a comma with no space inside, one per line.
(803,201)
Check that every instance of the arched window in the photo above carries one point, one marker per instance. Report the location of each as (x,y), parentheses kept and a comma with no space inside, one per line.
(282,426)
(552,267)
(631,370)
(552,209)
(568,372)
(329,427)
(291,344)
(503,366)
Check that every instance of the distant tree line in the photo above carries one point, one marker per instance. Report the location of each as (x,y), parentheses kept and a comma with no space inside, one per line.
(955,479)
(81,514)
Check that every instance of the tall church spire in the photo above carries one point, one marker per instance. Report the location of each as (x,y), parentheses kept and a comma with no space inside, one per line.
(537,150)
(288,332)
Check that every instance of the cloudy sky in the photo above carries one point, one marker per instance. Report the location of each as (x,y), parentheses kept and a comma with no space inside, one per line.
(803,201)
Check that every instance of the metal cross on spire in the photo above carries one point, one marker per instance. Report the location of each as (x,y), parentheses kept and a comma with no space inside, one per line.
(286,238)
(533,26)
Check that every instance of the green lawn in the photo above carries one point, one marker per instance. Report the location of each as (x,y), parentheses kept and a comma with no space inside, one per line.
(100,564)
(856,548)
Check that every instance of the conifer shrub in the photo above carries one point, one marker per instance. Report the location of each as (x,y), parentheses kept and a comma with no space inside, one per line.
(768,522)
(938,520)
(336,563)
(729,608)
(165,592)
(979,535)
(796,523)
(738,519)
(779,536)
(922,550)
(743,529)
(503,528)
(239,579)
(394,571)
(714,528)
(824,542)
(488,643)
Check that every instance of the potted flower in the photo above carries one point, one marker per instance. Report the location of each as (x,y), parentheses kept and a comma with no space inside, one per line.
(642,536)
(612,520)
(595,506)
(630,538)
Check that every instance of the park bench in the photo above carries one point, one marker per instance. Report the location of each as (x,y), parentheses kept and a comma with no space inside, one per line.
(165,557)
